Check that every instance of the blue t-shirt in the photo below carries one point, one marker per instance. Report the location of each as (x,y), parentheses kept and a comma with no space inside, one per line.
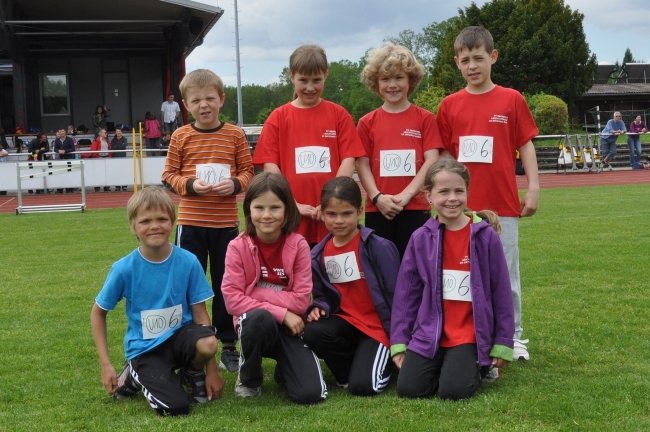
(158,295)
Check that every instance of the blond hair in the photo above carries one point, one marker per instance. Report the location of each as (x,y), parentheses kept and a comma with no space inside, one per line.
(308,59)
(201,78)
(472,38)
(453,166)
(388,60)
(151,197)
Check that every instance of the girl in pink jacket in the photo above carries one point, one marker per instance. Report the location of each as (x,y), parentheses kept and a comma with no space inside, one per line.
(267,287)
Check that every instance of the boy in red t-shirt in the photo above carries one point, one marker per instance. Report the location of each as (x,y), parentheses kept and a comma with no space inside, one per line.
(401,142)
(309,140)
(483,126)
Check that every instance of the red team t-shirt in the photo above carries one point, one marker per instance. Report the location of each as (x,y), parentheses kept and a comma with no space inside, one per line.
(411,132)
(271,266)
(357,306)
(458,325)
(308,145)
(502,116)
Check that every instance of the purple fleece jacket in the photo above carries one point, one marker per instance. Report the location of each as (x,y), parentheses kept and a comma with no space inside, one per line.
(417,316)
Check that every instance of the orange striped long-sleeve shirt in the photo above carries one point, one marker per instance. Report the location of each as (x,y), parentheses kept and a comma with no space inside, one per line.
(213,151)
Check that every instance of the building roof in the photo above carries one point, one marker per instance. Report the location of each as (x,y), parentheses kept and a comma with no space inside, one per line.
(56,26)
(618,89)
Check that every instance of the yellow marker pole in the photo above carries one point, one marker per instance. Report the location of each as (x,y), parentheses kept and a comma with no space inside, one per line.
(141,156)
(135,164)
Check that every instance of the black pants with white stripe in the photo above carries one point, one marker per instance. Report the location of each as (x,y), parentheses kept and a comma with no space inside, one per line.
(354,358)
(297,369)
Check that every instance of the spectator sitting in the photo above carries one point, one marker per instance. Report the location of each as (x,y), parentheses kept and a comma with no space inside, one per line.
(38,148)
(3,156)
(164,142)
(118,143)
(102,146)
(65,148)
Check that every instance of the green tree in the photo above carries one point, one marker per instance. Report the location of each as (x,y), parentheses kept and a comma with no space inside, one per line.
(551,114)
(430,98)
(628,58)
(541,43)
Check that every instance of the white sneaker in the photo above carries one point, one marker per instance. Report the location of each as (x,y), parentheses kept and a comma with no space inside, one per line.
(520,350)
(493,375)
(242,391)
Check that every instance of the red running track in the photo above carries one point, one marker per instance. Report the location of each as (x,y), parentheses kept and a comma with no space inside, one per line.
(104,200)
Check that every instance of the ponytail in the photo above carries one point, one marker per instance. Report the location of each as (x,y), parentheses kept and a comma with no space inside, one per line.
(492,218)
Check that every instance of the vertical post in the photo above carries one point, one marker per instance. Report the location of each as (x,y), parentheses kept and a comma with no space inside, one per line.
(141,156)
(135,164)
(240,111)
(83,186)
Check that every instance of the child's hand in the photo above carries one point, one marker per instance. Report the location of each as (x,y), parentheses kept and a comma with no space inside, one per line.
(214,385)
(224,187)
(529,204)
(293,323)
(307,211)
(398,359)
(389,206)
(499,362)
(401,199)
(109,378)
(201,187)
(315,314)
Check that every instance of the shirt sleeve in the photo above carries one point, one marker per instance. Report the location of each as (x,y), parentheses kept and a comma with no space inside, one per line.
(112,291)
(444,128)
(267,149)
(348,139)
(526,127)
(430,135)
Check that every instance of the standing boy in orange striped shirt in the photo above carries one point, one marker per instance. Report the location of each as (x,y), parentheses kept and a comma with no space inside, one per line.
(208,164)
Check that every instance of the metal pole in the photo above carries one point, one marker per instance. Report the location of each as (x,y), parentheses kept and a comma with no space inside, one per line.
(135,163)
(240,112)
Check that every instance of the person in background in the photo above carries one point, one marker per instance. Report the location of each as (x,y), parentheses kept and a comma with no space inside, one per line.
(102,146)
(614,128)
(169,112)
(64,147)
(99,118)
(152,132)
(38,147)
(3,155)
(119,143)
(634,141)
(164,142)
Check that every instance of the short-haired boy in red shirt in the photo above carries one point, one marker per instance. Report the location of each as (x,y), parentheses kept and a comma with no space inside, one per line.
(483,126)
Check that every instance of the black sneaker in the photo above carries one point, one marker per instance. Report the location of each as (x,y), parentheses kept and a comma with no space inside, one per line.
(127,385)
(229,360)
(195,382)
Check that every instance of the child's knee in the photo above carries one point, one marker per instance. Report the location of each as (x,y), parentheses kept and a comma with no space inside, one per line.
(306,396)
(172,412)
(456,392)
(207,346)
(257,320)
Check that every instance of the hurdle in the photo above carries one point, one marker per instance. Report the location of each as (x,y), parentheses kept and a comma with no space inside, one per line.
(567,156)
(49,168)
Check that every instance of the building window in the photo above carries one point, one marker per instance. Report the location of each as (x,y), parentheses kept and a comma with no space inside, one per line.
(54,95)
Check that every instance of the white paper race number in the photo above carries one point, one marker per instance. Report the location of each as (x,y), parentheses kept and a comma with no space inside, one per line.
(397,163)
(342,268)
(212,173)
(157,322)
(313,159)
(475,149)
(455,285)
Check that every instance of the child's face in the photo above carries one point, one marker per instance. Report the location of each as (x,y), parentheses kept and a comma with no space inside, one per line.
(394,88)
(476,65)
(152,227)
(448,196)
(309,88)
(341,219)
(204,103)
(267,215)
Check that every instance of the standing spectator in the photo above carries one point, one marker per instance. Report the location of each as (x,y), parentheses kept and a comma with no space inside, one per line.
(99,118)
(169,112)
(634,141)
(65,148)
(3,154)
(614,128)
(152,132)
(118,143)
(102,146)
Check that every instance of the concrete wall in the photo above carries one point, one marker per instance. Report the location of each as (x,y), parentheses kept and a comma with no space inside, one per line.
(147,91)
(85,89)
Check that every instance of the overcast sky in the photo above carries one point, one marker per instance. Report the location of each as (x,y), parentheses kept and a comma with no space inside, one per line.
(270,30)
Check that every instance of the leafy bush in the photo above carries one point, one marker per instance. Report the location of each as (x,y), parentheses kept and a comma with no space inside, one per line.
(551,114)
(430,98)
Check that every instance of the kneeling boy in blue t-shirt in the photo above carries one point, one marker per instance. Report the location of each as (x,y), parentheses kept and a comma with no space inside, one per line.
(168,324)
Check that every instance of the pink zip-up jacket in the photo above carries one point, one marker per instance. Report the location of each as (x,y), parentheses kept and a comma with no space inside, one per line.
(242,273)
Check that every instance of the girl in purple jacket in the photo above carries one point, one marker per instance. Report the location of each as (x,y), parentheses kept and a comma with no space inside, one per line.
(452,318)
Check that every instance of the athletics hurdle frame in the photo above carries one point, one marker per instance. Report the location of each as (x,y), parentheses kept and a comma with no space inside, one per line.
(49,168)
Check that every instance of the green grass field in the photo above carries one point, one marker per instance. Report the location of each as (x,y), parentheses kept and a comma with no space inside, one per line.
(584,265)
